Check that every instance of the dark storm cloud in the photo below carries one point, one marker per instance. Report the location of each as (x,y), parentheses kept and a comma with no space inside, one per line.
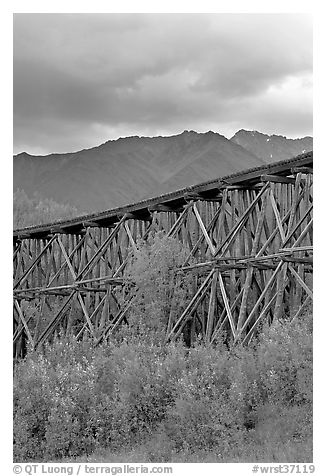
(81,79)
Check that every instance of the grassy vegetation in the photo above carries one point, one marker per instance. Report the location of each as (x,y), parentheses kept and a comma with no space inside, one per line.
(143,401)
(134,399)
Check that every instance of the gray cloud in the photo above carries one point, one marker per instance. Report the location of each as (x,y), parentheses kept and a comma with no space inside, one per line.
(81,79)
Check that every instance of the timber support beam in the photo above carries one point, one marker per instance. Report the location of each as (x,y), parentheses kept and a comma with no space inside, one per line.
(249,244)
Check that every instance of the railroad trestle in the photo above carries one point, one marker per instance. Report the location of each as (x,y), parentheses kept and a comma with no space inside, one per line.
(249,238)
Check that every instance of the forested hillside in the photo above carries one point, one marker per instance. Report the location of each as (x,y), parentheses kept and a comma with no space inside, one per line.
(33,211)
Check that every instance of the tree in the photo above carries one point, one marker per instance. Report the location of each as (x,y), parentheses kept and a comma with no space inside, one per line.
(162,289)
(36,210)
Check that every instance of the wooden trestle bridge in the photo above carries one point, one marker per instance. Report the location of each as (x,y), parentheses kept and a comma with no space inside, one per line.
(249,233)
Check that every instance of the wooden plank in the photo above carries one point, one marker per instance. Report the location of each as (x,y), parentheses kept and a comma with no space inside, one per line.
(253,217)
(19,329)
(23,320)
(261,297)
(55,321)
(203,229)
(281,283)
(201,238)
(303,234)
(277,216)
(33,264)
(20,263)
(97,307)
(307,202)
(277,179)
(261,315)
(84,309)
(302,307)
(250,227)
(230,238)
(301,282)
(101,249)
(131,240)
(211,308)
(180,221)
(71,269)
(191,305)
(113,325)
(297,248)
(248,281)
(223,316)
(79,297)
(302,170)
(221,216)
(297,197)
(296,226)
(226,304)
(64,264)
(272,236)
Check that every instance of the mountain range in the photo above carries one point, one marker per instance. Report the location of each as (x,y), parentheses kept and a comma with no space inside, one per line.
(272,147)
(130,169)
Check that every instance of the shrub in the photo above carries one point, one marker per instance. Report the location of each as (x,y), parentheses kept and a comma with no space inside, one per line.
(31,408)
(140,383)
(274,378)
(284,358)
(203,417)
(80,398)
(162,293)
(52,396)
(71,399)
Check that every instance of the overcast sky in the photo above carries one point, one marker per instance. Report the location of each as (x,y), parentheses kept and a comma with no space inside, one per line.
(82,79)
